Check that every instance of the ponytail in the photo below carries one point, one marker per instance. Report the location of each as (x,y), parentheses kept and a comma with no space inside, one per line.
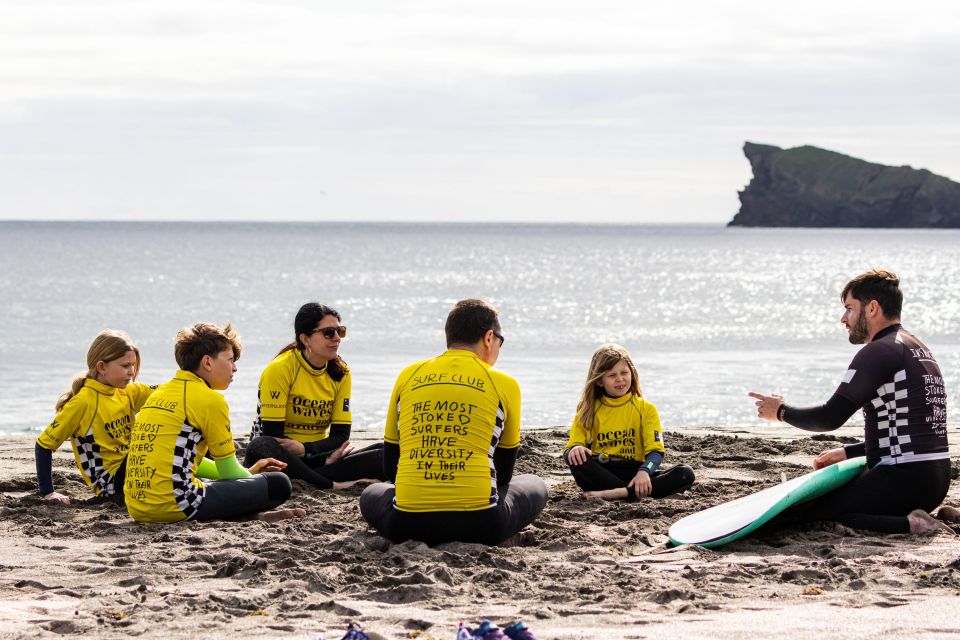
(74,389)
(337,369)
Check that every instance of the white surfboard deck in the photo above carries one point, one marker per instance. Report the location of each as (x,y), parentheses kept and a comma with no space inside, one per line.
(732,520)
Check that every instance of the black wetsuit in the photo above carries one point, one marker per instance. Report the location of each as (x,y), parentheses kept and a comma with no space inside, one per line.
(312,467)
(520,500)
(897,382)
(594,475)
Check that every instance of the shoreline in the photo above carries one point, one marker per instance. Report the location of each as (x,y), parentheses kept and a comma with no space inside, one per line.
(593,569)
(766,430)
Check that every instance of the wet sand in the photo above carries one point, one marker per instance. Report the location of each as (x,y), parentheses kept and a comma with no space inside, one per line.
(592,570)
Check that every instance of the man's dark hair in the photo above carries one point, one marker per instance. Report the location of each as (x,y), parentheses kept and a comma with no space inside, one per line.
(469,321)
(880,285)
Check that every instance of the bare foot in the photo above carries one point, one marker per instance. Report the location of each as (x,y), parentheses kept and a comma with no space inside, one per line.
(346,484)
(280,514)
(606,494)
(520,539)
(923,524)
(948,514)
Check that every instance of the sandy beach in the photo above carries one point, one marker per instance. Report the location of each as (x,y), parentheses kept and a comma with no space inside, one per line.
(592,570)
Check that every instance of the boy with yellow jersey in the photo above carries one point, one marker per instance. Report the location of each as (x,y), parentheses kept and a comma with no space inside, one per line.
(183,421)
(450,444)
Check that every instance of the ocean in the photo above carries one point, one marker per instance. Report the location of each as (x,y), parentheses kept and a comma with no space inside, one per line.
(707,312)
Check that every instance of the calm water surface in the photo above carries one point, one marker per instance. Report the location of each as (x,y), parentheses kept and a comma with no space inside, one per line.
(707,312)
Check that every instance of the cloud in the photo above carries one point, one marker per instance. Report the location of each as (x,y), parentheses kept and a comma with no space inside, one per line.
(416,110)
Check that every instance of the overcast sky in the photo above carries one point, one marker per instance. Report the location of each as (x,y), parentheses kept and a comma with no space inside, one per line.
(600,111)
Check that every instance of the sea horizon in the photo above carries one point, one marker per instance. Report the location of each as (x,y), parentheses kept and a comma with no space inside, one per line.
(707,311)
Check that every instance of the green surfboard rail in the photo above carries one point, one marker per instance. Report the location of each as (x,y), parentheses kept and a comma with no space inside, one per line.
(803,488)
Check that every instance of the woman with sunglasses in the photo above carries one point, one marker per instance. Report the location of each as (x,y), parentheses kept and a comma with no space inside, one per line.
(303,409)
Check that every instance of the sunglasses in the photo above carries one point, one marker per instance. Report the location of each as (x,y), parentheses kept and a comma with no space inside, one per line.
(329,332)
(498,336)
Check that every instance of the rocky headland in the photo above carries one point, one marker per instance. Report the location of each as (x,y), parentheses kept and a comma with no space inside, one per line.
(811,187)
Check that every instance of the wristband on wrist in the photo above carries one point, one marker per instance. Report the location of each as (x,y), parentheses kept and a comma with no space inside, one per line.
(780,411)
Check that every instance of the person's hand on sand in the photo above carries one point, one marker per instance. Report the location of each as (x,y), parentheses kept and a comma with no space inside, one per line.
(829,457)
(53,496)
(342,450)
(767,406)
(267,464)
(292,447)
(641,484)
(578,455)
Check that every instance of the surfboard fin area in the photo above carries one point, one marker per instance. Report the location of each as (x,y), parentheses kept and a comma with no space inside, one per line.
(724,523)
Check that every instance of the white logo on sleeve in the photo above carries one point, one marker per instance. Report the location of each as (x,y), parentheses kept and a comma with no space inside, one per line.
(848,376)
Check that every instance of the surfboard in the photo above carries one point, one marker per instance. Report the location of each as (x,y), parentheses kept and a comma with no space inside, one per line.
(733,520)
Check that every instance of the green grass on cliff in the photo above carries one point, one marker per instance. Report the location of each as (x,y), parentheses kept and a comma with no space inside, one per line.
(829,172)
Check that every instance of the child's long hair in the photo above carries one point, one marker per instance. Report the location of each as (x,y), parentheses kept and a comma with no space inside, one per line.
(109,345)
(606,357)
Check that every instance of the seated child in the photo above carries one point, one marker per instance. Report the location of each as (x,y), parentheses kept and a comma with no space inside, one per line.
(616,443)
(96,414)
(181,422)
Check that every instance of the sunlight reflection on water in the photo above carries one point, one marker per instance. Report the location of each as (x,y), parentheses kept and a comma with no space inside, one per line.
(707,312)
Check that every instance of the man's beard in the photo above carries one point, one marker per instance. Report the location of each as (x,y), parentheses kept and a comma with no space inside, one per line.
(859,332)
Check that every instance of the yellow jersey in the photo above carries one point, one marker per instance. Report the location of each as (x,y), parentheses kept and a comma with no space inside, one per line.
(306,399)
(627,428)
(97,421)
(181,421)
(448,415)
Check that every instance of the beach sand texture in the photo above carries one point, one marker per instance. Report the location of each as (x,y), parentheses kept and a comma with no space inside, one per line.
(593,570)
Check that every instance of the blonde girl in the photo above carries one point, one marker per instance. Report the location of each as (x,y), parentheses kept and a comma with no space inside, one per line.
(96,414)
(616,442)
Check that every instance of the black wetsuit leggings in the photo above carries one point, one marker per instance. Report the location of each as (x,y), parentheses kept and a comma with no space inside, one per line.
(879,499)
(119,478)
(519,504)
(363,463)
(226,499)
(594,475)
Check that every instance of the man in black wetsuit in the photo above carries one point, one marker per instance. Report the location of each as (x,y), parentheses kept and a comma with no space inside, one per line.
(895,379)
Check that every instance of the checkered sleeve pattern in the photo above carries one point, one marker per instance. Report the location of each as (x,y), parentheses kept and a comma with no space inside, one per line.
(494,441)
(257,429)
(187,494)
(91,464)
(892,411)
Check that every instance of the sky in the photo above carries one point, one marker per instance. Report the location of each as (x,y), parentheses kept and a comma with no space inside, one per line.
(527,111)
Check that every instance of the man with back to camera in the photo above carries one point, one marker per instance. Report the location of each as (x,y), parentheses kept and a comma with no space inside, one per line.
(450,444)
(897,382)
